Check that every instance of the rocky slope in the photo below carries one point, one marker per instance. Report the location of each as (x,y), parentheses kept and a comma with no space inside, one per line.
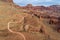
(10,1)
(39,22)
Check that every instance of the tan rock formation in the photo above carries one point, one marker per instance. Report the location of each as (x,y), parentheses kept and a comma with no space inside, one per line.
(10,1)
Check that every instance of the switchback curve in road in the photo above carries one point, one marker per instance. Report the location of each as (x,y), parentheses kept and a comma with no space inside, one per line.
(19,33)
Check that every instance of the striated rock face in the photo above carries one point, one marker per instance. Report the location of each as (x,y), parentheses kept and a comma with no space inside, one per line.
(54,20)
(10,1)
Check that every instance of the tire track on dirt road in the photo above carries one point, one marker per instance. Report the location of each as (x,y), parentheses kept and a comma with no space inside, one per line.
(19,33)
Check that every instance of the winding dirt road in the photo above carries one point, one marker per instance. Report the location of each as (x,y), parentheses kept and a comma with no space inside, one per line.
(19,33)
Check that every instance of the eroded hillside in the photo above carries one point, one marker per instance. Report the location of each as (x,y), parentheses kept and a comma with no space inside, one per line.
(35,23)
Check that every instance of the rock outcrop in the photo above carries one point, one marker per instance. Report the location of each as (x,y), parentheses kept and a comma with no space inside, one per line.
(10,1)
